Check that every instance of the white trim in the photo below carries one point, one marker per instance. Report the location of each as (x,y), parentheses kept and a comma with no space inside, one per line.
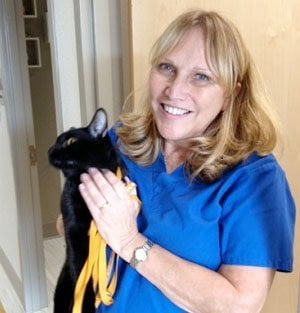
(84,28)
(103,56)
(16,93)
(61,27)
(55,69)
(126,36)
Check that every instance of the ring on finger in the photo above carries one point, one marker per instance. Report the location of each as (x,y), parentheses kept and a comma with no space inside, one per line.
(106,203)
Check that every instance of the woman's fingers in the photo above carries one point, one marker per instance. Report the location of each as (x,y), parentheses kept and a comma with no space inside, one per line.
(101,183)
(91,195)
(99,189)
(104,189)
(111,206)
(109,184)
(116,183)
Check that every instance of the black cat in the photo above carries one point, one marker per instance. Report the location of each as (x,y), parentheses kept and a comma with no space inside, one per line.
(74,152)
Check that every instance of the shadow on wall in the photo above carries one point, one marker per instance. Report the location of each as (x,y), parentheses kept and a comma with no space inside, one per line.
(1,87)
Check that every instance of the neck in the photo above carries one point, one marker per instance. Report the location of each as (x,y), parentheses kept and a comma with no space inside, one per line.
(174,155)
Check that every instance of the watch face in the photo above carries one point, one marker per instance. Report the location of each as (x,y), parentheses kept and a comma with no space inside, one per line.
(140,254)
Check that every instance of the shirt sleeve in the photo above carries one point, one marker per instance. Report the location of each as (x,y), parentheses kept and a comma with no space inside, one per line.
(257,224)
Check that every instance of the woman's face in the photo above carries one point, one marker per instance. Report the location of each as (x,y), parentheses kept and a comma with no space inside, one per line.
(184,94)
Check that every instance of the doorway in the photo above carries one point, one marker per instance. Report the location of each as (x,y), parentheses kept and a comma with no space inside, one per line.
(78,61)
(43,109)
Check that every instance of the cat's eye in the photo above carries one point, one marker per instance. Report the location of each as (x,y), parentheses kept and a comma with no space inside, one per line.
(70,141)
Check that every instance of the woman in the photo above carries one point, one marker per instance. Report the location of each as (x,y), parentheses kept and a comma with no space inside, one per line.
(217,217)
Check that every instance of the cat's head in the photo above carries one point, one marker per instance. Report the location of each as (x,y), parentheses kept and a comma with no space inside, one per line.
(80,148)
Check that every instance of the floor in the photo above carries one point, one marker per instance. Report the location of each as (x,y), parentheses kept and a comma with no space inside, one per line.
(54,257)
(54,249)
(1,308)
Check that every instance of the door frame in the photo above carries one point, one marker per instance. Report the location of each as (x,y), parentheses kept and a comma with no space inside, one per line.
(17,101)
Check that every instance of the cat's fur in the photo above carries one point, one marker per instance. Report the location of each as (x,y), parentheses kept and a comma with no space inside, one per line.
(74,152)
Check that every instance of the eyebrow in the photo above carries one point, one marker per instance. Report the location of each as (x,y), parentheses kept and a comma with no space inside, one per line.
(196,68)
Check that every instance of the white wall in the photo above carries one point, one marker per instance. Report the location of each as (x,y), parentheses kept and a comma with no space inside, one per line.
(8,207)
(1,87)
(10,261)
(19,204)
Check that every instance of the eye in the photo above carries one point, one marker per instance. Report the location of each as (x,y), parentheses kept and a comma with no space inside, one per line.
(166,68)
(69,141)
(201,77)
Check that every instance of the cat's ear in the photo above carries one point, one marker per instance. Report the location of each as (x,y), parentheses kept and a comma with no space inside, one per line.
(98,125)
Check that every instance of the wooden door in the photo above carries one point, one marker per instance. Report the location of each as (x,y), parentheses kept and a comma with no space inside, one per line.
(271,30)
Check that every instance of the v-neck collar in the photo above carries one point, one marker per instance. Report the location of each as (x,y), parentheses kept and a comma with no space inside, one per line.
(178,172)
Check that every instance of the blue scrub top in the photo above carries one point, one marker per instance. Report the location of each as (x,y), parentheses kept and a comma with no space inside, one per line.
(244,218)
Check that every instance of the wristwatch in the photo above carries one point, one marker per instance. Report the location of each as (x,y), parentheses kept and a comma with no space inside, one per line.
(140,254)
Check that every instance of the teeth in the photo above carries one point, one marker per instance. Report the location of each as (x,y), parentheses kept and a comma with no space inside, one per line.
(174,111)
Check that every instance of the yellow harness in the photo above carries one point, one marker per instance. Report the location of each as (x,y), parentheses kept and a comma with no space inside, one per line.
(104,274)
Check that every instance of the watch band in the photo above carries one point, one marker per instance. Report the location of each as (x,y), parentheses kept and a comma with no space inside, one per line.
(140,254)
(148,245)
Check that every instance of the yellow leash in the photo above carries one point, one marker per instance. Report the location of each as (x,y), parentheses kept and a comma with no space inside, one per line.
(104,275)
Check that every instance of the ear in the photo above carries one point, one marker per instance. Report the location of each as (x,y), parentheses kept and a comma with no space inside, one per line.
(98,125)
(237,89)
(235,93)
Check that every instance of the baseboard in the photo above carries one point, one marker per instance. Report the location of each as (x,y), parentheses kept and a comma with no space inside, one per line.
(49,230)
(11,291)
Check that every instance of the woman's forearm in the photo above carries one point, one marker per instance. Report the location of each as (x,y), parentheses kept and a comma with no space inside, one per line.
(192,287)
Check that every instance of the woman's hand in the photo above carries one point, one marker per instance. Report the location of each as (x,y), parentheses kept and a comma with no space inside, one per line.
(112,208)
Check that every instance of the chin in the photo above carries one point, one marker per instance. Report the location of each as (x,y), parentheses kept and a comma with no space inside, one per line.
(169,131)
(171,136)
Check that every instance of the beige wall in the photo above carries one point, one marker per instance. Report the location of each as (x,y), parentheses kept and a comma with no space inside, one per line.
(271,30)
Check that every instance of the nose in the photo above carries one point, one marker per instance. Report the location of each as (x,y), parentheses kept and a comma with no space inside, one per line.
(177,88)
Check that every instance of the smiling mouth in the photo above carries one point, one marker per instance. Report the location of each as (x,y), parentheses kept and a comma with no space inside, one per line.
(174,111)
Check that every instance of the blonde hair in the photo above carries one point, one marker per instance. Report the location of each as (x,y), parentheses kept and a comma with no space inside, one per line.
(247,124)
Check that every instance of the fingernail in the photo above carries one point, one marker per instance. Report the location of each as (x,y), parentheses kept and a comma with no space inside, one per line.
(84,177)
(92,170)
(81,186)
